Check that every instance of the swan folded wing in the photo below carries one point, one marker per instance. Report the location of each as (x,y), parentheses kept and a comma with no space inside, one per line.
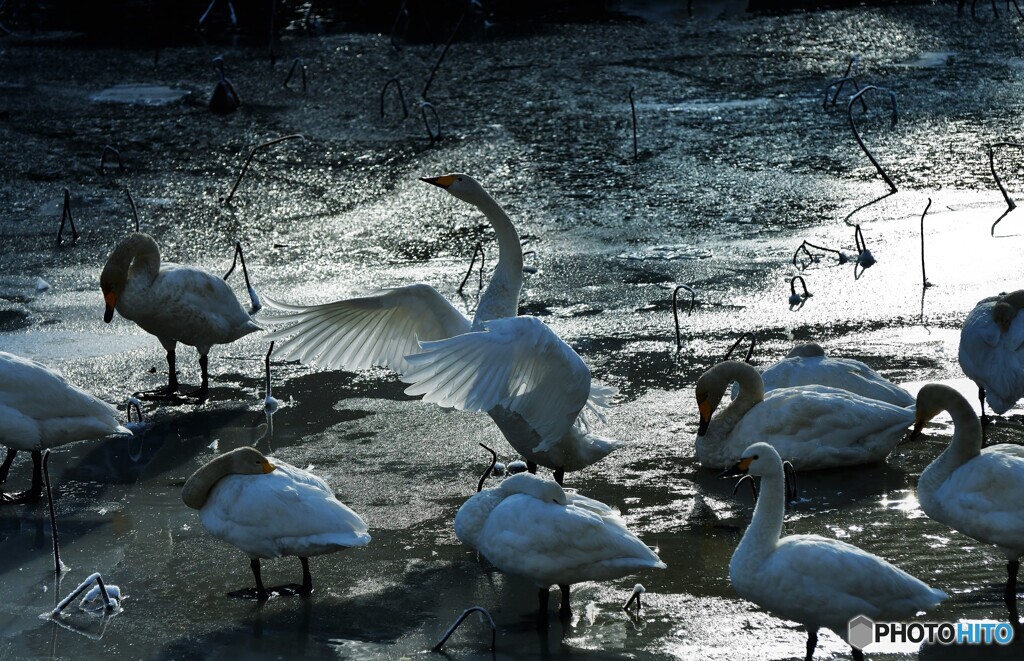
(551,543)
(819,426)
(358,333)
(517,363)
(982,498)
(43,405)
(834,577)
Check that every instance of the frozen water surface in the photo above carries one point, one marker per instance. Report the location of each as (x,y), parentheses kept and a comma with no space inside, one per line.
(738,164)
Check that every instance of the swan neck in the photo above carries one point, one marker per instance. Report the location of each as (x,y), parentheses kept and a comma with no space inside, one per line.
(762,535)
(137,255)
(501,298)
(751,392)
(965,445)
(197,488)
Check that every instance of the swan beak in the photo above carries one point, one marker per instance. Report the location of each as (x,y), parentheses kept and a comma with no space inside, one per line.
(705,417)
(267,466)
(918,426)
(110,298)
(740,468)
(443,181)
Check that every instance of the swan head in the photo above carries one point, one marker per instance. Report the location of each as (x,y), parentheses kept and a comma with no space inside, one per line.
(531,485)
(245,461)
(759,459)
(112,282)
(931,401)
(806,350)
(709,390)
(1006,309)
(462,186)
(240,461)
(115,272)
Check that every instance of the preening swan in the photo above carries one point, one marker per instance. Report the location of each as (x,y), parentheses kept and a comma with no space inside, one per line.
(533,528)
(175,303)
(813,580)
(975,491)
(811,426)
(268,509)
(992,350)
(807,365)
(532,384)
(40,410)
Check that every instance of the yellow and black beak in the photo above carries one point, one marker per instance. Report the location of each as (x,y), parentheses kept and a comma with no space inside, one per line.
(444,181)
(267,467)
(111,299)
(740,468)
(705,417)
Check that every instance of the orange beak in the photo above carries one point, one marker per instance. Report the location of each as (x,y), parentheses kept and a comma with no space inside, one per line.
(267,466)
(111,299)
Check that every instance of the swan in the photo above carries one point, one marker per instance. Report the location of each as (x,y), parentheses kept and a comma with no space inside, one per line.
(533,385)
(40,410)
(975,491)
(813,580)
(812,426)
(268,509)
(807,364)
(992,350)
(533,528)
(176,303)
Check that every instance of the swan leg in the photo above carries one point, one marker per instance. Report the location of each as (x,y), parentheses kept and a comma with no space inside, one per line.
(566,609)
(6,467)
(531,467)
(812,642)
(35,491)
(53,516)
(542,607)
(307,579)
(1010,594)
(984,418)
(790,473)
(167,392)
(559,476)
(261,592)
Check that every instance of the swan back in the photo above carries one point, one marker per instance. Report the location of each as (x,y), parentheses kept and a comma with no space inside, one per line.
(531,527)
(40,409)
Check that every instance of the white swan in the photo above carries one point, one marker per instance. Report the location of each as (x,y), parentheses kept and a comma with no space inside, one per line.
(175,303)
(812,426)
(40,410)
(533,528)
(976,491)
(531,383)
(807,365)
(992,350)
(269,509)
(813,580)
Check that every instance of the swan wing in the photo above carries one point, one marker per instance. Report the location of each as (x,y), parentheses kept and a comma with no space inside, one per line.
(285,512)
(845,373)
(993,359)
(982,497)
(820,427)
(40,409)
(358,333)
(518,363)
(812,579)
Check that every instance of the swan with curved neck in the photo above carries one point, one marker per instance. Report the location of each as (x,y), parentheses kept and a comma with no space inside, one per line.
(812,426)
(975,491)
(991,351)
(175,303)
(531,383)
(269,509)
(807,364)
(816,581)
(533,528)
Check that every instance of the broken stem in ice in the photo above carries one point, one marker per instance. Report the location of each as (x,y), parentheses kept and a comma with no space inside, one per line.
(924,278)
(853,126)
(466,613)
(675,310)
(252,153)
(750,350)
